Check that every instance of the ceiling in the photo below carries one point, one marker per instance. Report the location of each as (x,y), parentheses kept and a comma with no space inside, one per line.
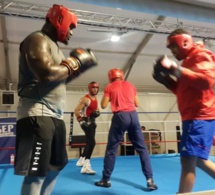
(145,25)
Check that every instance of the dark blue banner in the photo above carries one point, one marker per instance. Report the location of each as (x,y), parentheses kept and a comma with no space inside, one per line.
(7,140)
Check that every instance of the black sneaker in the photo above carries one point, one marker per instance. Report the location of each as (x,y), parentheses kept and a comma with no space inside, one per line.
(151,185)
(103,183)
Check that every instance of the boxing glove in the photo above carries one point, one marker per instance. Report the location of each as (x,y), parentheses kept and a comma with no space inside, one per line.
(95,114)
(161,77)
(167,66)
(84,125)
(79,61)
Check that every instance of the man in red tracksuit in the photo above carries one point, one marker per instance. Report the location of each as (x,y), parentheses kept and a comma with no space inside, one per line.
(123,98)
(193,84)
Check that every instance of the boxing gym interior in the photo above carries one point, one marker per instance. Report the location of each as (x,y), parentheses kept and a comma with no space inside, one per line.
(141,27)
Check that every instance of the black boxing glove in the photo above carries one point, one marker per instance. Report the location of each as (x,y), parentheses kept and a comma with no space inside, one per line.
(86,58)
(71,64)
(84,125)
(160,77)
(79,61)
(167,66)
(95,114)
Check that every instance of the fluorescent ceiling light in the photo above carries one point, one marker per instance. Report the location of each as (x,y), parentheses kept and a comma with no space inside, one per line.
(115,38)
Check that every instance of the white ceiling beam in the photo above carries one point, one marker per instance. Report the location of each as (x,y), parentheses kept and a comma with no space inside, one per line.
(129,64)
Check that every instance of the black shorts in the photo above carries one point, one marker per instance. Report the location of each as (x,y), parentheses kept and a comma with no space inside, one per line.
(40,146)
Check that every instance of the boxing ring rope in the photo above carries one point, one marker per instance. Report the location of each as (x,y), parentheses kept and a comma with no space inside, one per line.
(167,128)
(128,143)
(75,130)
(124,144)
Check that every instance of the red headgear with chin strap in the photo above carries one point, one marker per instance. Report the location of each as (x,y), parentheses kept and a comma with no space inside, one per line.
(62,19)
(184,43)
(115,73)
(93,85)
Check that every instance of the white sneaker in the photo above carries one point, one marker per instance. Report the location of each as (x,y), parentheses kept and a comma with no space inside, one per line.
(80,162)
(86,169)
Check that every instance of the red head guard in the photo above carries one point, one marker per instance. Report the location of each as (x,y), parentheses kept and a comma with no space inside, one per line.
(115,73)
(93,85)
(184,43)
(62,19)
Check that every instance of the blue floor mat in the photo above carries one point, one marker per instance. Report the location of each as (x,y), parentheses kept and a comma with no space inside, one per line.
(127,178)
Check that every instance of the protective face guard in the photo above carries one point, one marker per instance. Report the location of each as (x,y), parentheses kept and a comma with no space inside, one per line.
(183,41)
(93,85)
(62,19)
(115,73)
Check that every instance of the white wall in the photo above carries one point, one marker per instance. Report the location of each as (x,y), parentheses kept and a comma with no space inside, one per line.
(153,114)
(156,111)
